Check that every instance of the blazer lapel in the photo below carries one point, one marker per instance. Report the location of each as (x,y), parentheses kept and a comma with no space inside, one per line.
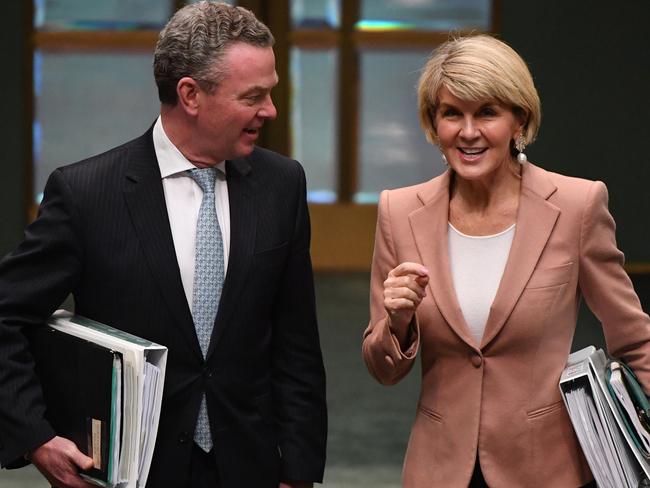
(536,218)
(145,200)
(429,225)
(243,220)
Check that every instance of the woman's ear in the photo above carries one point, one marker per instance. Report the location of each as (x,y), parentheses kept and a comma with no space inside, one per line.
(432,118)
(522,119)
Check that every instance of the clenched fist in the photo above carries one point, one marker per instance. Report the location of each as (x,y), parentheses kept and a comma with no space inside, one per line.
(404,289)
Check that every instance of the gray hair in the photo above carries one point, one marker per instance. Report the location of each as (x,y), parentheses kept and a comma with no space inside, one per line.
(195,40)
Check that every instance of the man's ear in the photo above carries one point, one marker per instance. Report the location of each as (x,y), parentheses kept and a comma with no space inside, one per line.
(188,91)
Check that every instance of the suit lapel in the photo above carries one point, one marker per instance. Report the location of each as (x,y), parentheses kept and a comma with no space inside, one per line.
(429,225)
(536,218)
(243,219)
(145,200)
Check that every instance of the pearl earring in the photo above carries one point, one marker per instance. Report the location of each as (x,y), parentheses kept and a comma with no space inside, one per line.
(521,145)
(442,155)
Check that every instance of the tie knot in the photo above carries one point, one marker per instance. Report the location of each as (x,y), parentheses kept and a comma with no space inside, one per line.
(205,177)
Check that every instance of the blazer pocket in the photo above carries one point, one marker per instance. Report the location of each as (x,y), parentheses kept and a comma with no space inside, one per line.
(270,258)
(547,277)
(264,404)
(273,249)
(431,414)
(547,410)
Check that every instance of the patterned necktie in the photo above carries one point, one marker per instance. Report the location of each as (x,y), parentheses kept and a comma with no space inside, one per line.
(208,282)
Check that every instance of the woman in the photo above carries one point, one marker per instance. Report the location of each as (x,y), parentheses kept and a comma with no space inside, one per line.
(482,269)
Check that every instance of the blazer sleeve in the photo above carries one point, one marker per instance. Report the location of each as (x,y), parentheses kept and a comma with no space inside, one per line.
(382,352)
(298,373)
(608,290)
(34,280)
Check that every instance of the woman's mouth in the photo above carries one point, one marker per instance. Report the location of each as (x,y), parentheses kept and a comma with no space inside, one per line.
(471,153)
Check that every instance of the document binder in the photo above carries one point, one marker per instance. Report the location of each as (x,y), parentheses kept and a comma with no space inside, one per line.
(609,447)
(79,381)
(130,371)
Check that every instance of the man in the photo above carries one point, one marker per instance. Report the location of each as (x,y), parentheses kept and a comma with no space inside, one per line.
(214,264)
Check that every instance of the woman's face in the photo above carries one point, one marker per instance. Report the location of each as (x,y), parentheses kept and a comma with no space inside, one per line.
(475,136)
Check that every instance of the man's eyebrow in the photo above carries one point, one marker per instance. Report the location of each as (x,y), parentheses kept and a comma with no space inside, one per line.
(260,88)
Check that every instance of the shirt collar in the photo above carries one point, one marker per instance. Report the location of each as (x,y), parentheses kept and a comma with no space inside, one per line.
(170,160)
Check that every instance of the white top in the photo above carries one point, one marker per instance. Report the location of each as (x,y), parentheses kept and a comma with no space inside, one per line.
(183,198)
(477,265)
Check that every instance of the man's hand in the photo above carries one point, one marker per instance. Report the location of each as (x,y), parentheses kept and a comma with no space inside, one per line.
(296,484)
(404,289)
(59,461)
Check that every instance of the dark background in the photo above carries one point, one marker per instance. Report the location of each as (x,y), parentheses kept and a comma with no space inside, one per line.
(591,64)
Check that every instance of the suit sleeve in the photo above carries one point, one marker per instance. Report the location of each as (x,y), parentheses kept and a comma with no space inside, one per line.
(382,353)
(298,373)
(34,280)
(608,290)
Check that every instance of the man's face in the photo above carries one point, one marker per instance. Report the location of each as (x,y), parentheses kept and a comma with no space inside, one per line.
(229,118)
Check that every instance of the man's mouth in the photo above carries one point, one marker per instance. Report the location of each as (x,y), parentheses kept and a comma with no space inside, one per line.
(251,131)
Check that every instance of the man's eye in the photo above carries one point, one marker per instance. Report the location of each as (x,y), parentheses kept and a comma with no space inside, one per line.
(252,98)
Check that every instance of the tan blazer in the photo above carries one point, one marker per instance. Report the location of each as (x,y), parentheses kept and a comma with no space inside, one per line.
(501,397)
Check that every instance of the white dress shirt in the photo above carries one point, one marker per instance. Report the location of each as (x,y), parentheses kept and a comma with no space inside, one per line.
(183,198)
(477,265)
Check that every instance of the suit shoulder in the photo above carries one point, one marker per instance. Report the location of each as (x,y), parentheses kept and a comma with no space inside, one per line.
(261,156)
(413,196)
(570,182)
(104,164)
(411,191)
(573,192)
(272,165)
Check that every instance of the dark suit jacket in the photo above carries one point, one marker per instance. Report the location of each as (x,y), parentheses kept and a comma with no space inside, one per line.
(103,234)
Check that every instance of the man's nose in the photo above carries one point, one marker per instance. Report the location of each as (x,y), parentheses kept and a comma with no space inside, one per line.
(268,110)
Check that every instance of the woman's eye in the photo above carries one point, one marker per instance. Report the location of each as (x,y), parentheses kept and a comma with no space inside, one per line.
(488,112)
(449,112)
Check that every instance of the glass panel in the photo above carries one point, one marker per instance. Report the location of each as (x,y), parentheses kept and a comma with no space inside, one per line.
(393,149)
(87,103)
(101,15)
(314,102)
(315,14)
(439,15)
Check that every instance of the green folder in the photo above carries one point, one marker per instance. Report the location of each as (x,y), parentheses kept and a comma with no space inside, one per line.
(639,400)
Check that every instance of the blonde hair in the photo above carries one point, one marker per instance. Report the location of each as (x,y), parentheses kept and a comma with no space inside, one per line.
(479,68)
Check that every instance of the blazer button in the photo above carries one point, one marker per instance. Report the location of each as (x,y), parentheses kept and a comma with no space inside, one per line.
(477,360)
(207,373)
(184,437)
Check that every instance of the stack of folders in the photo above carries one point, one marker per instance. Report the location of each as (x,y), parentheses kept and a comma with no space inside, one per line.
(103,390)
(610,415)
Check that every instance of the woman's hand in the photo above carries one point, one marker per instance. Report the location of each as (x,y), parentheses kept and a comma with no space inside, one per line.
(404,289)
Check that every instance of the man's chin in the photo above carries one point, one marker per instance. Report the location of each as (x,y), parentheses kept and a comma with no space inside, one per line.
(243,151)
